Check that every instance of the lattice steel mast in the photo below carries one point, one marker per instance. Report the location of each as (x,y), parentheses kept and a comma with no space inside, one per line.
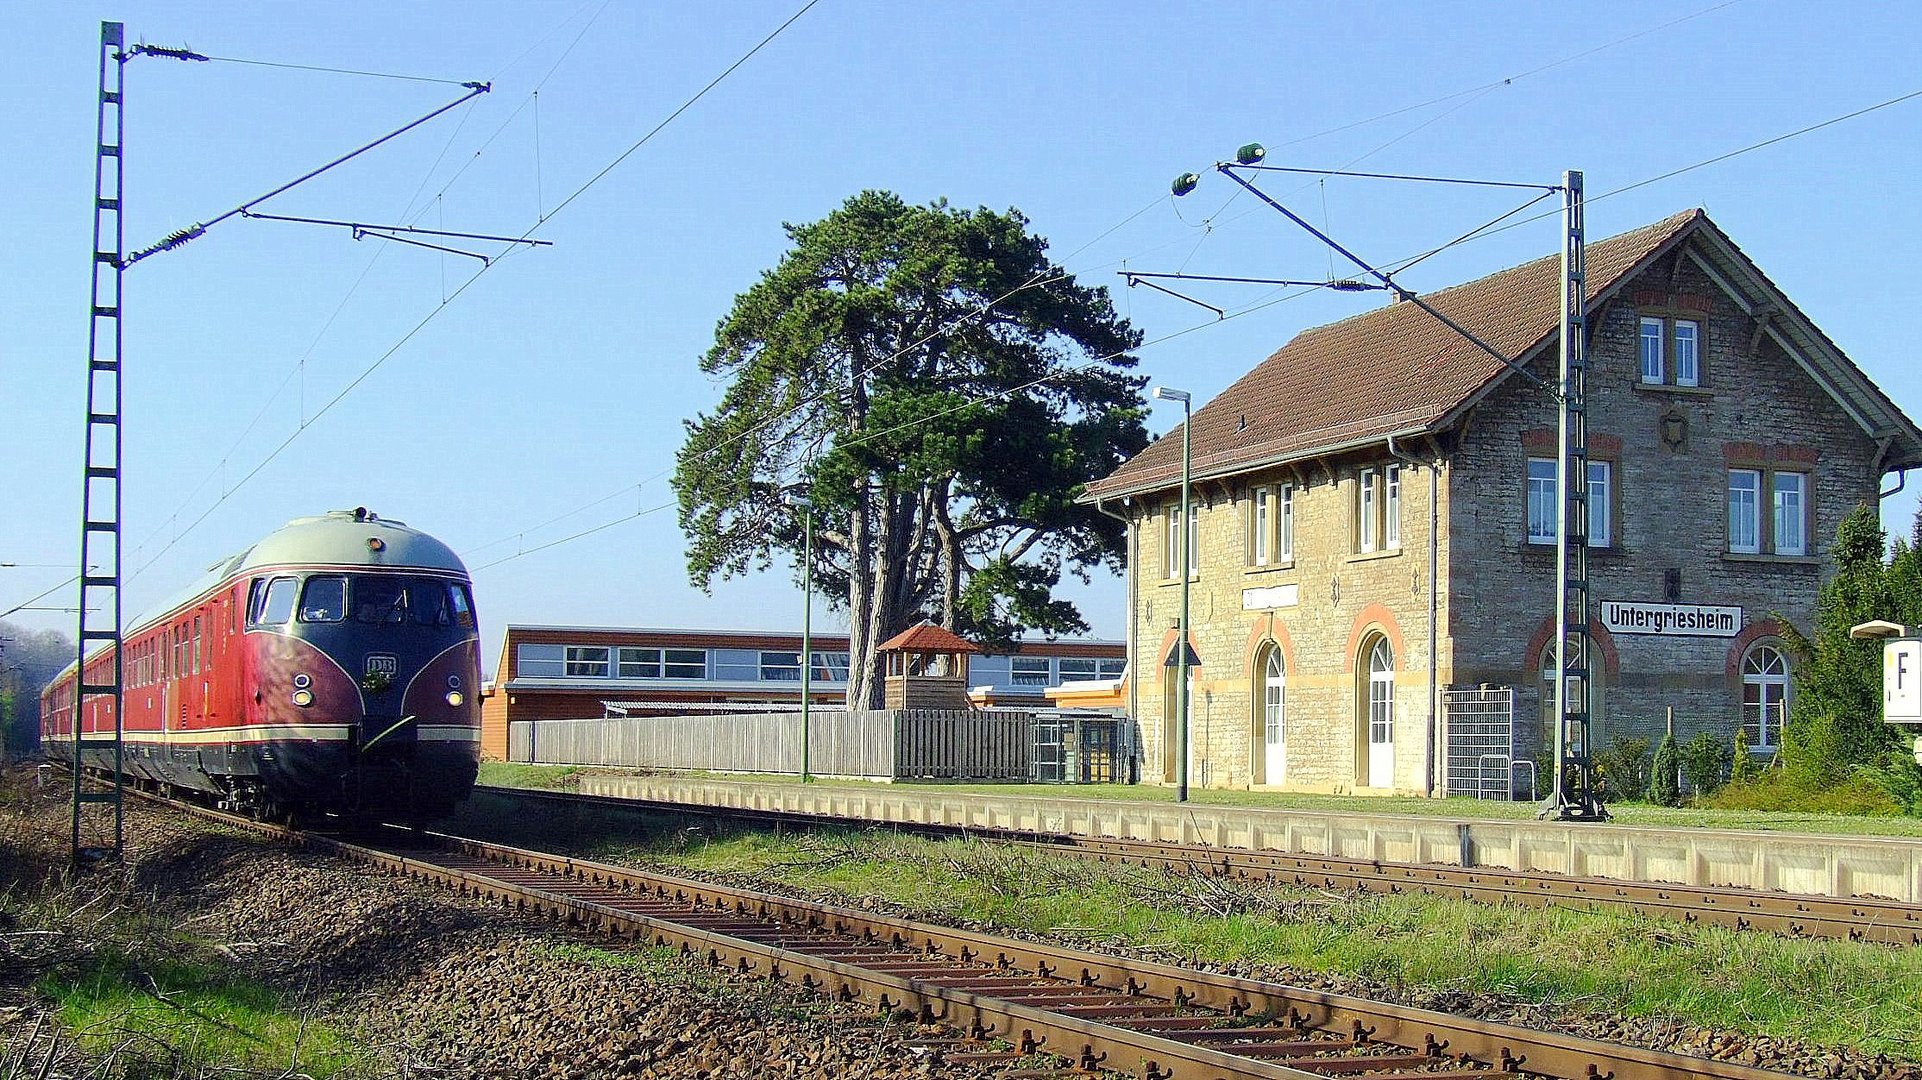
(1574,796)
(100,534)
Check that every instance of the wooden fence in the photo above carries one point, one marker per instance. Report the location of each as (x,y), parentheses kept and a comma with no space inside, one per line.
(877,744)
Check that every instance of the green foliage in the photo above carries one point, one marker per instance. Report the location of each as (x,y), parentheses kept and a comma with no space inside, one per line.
(940,391)
(29,659)
(1835,721)
(1705,762)
(1624,768)
(1742,768)
(1664,776)
(1785,791)
(193,1019)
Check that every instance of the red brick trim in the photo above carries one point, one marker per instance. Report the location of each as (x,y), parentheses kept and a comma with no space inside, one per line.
(1605,641)
(1264,631)
(1759,630)
(1758,454)
(1673,301)
(1549,441)
(1374,617)
(1167,645)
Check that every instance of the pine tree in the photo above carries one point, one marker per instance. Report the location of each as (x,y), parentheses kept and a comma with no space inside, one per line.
(1664,779)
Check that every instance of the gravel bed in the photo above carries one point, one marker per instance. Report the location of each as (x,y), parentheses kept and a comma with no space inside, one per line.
(431,984)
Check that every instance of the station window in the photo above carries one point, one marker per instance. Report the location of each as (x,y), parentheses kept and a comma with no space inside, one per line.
(1543,501)
(1271,525)
(1784,528)
(1030,671)
(1172,541)
(1378,509)
(587,661)
(1765,697)
(540,661)
(1671,351)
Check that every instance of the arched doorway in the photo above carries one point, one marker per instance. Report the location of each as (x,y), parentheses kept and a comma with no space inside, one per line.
(1271,718)
(1375,702)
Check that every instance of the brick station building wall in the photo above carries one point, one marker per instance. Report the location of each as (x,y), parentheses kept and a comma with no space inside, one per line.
(1754,409)
(1342,598)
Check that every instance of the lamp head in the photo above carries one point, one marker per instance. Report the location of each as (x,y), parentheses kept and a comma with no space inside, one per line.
(1251,154)
(1184,183)
(1169,394)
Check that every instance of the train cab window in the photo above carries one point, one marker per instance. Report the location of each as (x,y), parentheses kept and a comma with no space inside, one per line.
(324,599)
(379,598)
(463,606)
(274,603)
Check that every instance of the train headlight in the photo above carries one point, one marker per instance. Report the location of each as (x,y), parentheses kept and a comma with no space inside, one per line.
(456,698)
(303,698)
(302,681)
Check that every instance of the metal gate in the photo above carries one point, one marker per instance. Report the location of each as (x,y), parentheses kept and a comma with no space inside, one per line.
(1083,747)
(1479,735)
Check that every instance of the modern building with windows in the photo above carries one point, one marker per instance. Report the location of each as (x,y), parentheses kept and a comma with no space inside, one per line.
(1374,514)
(569,672)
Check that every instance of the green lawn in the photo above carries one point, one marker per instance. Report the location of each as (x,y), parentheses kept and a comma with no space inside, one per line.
(566,777)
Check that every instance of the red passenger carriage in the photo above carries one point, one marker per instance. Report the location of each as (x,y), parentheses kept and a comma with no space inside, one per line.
(333,666)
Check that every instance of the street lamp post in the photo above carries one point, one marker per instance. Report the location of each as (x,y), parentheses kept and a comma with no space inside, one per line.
(1183,565)
(807,623)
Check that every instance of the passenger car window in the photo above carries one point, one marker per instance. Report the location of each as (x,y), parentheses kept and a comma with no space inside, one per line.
(324,600)
(276,603)
(463,606)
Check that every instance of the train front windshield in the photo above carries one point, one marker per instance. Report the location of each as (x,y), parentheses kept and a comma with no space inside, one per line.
(395,600)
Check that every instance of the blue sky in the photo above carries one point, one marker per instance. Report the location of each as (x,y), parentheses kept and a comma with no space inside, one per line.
(554,386)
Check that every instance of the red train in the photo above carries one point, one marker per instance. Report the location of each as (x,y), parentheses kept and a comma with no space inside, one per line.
(332,667)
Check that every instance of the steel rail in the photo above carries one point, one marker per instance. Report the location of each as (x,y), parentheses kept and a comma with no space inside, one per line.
(1870,919)
(1155,1020)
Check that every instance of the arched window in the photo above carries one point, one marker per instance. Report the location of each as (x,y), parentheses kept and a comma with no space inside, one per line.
(1765,696)
(1274,717)
(1380,698)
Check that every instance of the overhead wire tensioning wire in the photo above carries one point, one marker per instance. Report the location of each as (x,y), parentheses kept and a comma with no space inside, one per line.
(463,286)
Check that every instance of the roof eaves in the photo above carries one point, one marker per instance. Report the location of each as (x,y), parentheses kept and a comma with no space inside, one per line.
(1252,465)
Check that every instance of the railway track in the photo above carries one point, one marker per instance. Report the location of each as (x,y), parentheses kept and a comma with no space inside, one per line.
(1889,922)
(1011,1001)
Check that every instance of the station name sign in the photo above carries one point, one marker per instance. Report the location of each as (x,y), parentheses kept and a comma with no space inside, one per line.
(1675,620)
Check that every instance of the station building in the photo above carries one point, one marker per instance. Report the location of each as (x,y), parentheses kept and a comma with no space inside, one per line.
(1373,525)
(571,672)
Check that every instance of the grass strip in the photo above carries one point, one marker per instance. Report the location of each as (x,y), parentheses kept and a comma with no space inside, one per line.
(183,1015)
(1824,993)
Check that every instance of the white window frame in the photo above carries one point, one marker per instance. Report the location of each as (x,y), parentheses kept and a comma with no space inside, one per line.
(1765,670)
(540,660)
(636,662)
(1745,531)
(1391,510)
(1285,522)
(777,665)
(582,656)
(1659,353)
(1171,538)
(1601,504)
(681,663)
(1030,671)
(1785,516)
(1112,668)
(1170,543)
(1543,499)
(1261,510)
(1365,512)
(1688,361)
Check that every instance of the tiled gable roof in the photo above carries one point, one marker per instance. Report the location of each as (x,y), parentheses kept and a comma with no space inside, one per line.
(927,637)
(1394,370)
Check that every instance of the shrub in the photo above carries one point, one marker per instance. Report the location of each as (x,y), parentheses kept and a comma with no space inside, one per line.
(1623,768)
(1742,769)
(1705,762)
(1664,776)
